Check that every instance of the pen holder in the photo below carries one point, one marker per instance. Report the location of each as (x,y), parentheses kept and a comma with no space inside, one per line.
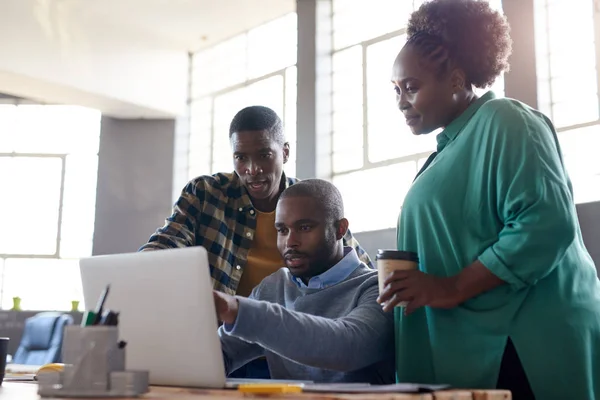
(94,366)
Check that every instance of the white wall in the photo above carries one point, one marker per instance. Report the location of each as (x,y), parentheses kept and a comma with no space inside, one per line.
(135,170)
(53,52)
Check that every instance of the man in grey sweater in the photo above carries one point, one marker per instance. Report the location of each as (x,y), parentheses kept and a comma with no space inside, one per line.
(317,319)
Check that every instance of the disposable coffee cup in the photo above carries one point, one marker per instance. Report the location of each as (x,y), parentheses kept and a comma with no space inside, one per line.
(389,261)
(3,355)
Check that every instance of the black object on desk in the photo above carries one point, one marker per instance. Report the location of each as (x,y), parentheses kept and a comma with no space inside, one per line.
(3,354)
(109,318)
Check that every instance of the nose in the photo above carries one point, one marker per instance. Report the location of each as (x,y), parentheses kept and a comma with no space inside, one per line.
(292,241)
(253,170)
(403,104)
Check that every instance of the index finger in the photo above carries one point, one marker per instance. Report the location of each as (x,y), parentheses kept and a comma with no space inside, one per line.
(398,275)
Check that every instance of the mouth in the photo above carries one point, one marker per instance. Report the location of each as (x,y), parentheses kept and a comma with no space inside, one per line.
(295,260)
(257,186)
(412,120)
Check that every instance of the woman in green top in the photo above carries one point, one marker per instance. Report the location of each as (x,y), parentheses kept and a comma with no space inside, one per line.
(506,294)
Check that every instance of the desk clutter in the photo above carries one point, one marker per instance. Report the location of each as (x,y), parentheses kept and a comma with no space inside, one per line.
(94,361)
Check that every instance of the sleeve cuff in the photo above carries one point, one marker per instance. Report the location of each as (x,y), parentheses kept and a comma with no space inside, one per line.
(247,319)
(491,261)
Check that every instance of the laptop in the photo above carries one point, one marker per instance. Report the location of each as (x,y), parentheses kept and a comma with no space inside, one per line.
(166,313)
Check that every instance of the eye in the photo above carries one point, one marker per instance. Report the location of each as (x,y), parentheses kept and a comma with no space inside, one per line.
(238,157)
(397,90)
(265,155)
(411,89)
(305,228)
(281,230)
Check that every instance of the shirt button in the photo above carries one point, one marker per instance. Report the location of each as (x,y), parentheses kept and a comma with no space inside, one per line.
(240,209)
(252,212)
(238,267)
(248,234)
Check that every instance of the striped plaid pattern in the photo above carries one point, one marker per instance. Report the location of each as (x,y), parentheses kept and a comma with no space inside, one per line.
(215,212)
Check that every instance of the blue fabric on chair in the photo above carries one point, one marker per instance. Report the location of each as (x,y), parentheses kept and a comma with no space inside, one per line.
(42,339)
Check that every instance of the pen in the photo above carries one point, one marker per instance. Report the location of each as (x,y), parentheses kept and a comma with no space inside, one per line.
(88,318)
(100,305)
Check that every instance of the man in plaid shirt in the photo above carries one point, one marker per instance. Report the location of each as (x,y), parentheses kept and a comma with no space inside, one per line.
(232,215)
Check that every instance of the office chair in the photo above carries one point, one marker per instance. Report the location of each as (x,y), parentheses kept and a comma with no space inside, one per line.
(42,339)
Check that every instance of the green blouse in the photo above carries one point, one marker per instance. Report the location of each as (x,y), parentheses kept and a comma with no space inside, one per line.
(498,191)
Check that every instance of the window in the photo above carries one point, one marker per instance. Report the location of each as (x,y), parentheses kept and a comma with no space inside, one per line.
(559,59)
(255,68)
(574,112)
(371,143)
(48,168)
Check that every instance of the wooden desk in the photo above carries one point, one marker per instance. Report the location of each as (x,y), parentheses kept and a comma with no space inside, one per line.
(28,391)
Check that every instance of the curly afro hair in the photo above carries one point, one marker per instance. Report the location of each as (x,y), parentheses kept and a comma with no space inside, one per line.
(465,33)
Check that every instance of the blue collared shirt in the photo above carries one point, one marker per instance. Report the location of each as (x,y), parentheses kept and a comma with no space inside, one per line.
(335,274)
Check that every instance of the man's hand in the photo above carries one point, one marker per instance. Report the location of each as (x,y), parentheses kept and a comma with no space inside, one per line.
(418,289)
(226,306)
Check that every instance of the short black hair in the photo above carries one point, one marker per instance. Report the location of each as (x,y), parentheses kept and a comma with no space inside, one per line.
(324,192)
(258,118)
(468,33)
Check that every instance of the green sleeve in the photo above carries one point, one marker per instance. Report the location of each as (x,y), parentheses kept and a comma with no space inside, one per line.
(532,195)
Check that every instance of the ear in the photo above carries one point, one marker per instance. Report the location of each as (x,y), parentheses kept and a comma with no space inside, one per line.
(286,152)
(341,228)
(458,79)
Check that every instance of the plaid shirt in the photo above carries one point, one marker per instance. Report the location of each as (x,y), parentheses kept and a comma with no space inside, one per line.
(215,212)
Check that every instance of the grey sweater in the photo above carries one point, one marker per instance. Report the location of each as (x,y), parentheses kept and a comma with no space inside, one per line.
(336,334)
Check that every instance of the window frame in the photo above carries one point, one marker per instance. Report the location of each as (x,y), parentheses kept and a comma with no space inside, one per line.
(367,164)
(211,96)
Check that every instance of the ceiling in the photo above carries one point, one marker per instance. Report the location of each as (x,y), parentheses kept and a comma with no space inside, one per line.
(182,24)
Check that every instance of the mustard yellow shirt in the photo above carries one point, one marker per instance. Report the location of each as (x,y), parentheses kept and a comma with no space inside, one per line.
(263,256)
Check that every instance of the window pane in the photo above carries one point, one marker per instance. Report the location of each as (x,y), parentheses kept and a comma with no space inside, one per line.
(8,128)
(267,92)
(385,189)
(75,247)
(262,50)
(564,65)
(200,137)
(226,106)
(204,70)
(347,141)
(42,284)
(562,88)
(347,120)
(347,131)
(347,160)
(79,201)
(357,21)
(347,80)
(568,20)
(387,128)
(279,34)
(559,58)
(579,148)
(55,129)
(221,66)
(29,204)
(579,110)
